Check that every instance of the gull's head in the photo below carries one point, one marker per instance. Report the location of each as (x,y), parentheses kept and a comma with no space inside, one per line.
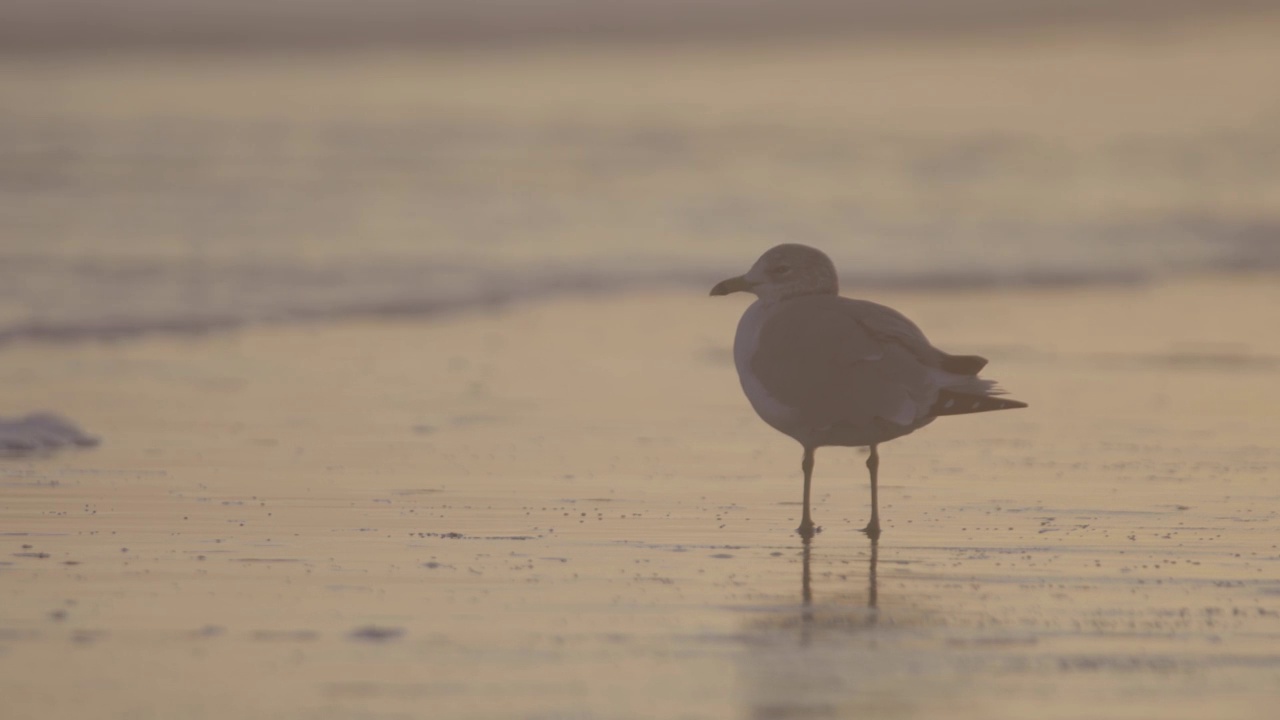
(783,272)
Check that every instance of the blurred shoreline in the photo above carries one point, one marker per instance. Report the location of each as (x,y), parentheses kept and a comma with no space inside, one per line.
(85,26)
(582,287)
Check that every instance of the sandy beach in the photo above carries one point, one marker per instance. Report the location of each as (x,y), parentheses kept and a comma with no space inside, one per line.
(567,509)
(392,319)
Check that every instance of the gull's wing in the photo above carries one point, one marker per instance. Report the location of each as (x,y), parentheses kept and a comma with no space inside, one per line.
(837,362)
(889,325)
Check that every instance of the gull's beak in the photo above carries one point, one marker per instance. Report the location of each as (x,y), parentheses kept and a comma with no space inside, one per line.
(732,285)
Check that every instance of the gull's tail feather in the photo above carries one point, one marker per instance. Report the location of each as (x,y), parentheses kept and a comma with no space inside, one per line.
(951,402)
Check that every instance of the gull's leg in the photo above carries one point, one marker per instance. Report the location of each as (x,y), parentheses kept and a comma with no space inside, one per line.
(806,529)
(873,528)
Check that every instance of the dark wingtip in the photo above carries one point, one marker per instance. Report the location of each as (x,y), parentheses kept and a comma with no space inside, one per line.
(963,364)
(954,403)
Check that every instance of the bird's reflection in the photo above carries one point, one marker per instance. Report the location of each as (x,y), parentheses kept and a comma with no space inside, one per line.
(872,596)
(806,588)
(837,653)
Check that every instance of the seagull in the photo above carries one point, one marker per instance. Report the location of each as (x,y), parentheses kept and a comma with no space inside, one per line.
(833,371)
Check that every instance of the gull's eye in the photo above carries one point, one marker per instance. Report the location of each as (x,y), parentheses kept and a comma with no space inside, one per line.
(779,270)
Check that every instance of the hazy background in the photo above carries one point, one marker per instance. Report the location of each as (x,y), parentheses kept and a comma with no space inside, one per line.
(181,165)
(328,23)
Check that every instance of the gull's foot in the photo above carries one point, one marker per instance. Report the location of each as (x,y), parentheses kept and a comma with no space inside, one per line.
(807,530)
(872,530)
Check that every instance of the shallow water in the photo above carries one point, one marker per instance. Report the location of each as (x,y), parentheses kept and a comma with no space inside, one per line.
(184,191)
(414,520)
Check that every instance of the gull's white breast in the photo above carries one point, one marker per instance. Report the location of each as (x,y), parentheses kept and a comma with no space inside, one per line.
(745,342)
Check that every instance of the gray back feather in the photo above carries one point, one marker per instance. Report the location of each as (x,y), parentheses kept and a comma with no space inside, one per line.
(838,361)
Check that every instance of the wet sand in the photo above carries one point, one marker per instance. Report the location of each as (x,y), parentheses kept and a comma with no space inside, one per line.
(567,509)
